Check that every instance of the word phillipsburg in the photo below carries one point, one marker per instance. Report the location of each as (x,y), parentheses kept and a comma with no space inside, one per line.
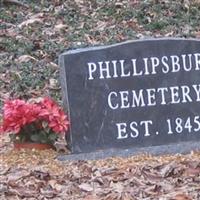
(150,66)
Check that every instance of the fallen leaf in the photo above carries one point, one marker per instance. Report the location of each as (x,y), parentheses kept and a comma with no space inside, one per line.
(53,83)
(15,2)
(54,184)
(168,170)
(37,18)
(61,147)
(181,197)
(40,175)
(91,197)
(59,27)
(192,172)
(25,58)
(86,187)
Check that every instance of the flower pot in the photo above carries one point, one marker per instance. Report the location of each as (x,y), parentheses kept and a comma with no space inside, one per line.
(27,145)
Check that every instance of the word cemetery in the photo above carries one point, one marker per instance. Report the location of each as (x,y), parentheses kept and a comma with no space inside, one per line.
(136,94)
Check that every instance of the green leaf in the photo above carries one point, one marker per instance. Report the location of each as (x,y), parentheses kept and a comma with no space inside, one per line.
(12,137)
(35,138)
(53,137)
(45,125)
(22,138)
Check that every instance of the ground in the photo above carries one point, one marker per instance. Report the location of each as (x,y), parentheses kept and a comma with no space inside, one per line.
(32,174)
(31,39)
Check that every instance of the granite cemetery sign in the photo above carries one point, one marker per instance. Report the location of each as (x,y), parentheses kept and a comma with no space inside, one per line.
(134,94)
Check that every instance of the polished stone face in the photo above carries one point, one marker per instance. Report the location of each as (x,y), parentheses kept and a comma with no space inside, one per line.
(134,94)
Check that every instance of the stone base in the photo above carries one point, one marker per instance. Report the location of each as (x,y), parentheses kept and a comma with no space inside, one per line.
(180,148)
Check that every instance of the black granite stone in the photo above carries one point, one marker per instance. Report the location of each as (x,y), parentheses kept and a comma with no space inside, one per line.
(149,96)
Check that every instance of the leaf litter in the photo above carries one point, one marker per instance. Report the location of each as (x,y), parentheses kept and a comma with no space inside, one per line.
(31,38)
(27,174)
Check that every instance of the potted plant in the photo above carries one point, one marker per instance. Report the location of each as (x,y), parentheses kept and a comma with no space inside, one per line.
(33,124)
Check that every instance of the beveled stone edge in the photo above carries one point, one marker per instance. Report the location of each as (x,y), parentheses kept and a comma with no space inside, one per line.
(180,148)
(64,92)
(101,47)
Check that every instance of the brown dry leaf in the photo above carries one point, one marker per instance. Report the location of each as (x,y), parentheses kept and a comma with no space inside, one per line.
(17,174)
(61,147)
(25,58)
(30,21)
(3,188)
(79,1)
(15,2)
(60,26)
(192,172)
(133,2)
(54,184)
(181,197)
(168,170)
(37,18)
(40,175)
(53,83)
(4,96)
(37,15)
(4,170)
(53,65)
(113,196)
(3,33)
(35,100)
(122,182)
(9,32)
(118,187)
(22,192)
(101,25)
(91,197)
(90,39)
(153,177)
(86,187)
(57,2)
(48,193)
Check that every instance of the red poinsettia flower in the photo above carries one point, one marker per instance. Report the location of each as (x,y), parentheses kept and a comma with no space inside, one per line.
(38,119)
(18,113)
(12,119)
(54,115)
(59,123)
(48,107)
(10,106)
